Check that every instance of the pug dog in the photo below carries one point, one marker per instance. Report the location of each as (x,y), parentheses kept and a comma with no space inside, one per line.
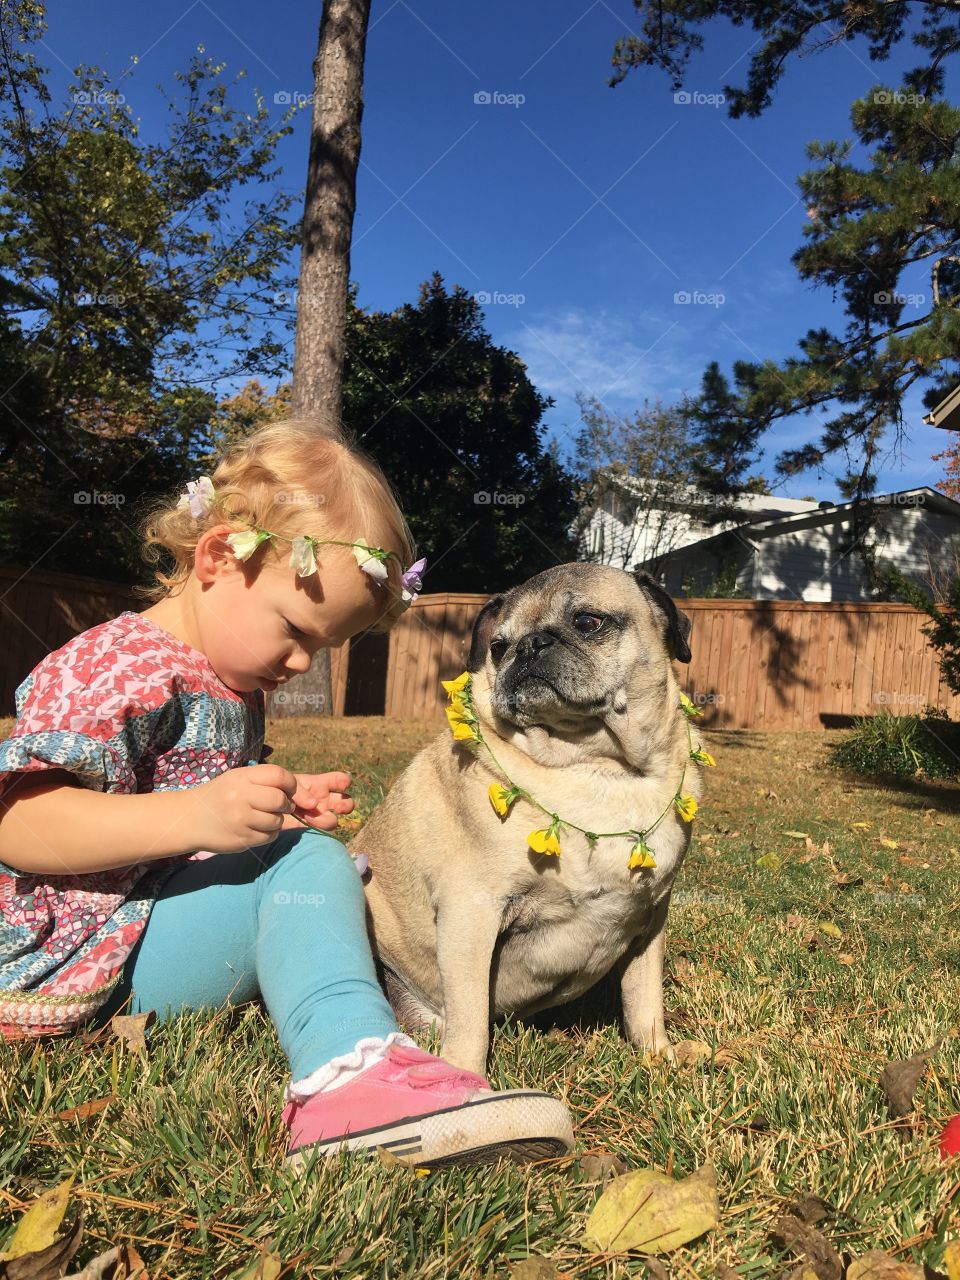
(574,691)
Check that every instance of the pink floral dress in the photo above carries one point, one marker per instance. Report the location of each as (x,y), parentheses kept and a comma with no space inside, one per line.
(127,708)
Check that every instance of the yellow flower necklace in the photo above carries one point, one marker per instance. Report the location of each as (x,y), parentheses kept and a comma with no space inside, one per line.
(466,728)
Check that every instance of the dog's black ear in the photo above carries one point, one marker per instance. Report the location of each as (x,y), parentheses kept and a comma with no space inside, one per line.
(676,625)
(482,630)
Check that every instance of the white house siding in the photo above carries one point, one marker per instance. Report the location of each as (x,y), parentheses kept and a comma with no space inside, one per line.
(811,563)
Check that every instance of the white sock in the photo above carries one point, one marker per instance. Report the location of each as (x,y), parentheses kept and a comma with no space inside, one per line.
(341,1070)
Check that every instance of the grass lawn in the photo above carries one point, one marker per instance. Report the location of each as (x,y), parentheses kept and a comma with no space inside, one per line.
(185,1159)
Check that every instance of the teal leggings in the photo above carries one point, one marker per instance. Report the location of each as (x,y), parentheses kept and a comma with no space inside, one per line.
(285,921)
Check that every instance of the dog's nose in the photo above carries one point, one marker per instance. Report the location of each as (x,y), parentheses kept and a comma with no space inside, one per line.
(530,645)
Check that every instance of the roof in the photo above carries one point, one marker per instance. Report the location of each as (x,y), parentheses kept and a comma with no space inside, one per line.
(688,495)
(932,500)
(946,414)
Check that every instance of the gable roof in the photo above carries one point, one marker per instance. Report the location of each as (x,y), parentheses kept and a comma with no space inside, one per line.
(932,500)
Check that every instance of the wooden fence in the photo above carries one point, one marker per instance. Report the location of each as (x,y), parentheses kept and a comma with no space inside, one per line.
(757,664)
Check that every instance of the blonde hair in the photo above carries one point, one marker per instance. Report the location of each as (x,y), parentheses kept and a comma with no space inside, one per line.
(295,476)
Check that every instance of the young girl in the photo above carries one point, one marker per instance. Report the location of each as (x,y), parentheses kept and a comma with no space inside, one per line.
(143,861)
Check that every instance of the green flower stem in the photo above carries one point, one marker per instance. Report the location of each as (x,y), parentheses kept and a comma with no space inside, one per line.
(641,835)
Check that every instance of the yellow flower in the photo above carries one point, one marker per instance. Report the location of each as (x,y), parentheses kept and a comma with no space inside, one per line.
(702,757)
(686,807)
(687,707)
(640,856)
(545,841)
(456,706)
(456,686)
(501,798)
(464,732)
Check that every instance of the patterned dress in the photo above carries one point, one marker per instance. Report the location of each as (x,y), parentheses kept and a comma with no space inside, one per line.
(127,708)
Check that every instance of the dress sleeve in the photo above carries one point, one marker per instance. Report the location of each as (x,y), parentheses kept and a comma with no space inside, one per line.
(96,734)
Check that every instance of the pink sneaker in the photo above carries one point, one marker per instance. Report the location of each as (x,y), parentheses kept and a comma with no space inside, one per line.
(428,1113)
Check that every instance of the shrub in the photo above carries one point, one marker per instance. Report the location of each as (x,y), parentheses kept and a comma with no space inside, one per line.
(923,746)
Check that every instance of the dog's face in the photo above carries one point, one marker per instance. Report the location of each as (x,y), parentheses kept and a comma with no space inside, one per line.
(577,643)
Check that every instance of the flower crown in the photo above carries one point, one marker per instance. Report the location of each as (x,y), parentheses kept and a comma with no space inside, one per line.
(200,497)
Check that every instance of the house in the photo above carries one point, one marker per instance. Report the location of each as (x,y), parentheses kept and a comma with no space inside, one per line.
(818,554)
(637,521)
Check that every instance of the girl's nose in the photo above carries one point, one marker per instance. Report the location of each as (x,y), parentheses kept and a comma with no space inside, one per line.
(298,662)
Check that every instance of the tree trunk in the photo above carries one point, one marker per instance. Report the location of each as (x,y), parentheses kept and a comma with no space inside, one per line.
(331,200)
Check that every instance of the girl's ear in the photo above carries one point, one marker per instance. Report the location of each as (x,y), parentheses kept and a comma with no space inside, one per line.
(214,556)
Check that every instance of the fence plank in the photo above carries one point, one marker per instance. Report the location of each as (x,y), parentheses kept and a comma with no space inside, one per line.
(757,664)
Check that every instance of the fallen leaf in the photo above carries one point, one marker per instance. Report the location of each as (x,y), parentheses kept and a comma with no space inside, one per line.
(686,1053)
(860,826)
(266,1266)
(846,959)
(907,860)
(899,1080)
(951,1260)
(47,1263)
(86,1109)
(120,1263)
(655,1269)
(727,1055)
(797,835)
(880,1266)
(651,1211)
(846,880)
(803,1241)
(770,862)
(130,1028)
(534,1269)
(830,929)
(811,1209)
(38,1227)
(601,1164)
(888,844)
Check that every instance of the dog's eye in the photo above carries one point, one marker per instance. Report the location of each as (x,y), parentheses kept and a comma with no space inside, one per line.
(588,623)
(497,649)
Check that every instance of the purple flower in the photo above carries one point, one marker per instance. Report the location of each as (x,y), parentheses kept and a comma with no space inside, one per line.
(411,583)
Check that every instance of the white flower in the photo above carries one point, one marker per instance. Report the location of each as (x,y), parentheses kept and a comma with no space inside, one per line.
(198,497)
(302,557)
(370,564)
(244,544)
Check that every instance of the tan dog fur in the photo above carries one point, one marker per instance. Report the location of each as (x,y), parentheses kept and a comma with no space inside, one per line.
(469,921)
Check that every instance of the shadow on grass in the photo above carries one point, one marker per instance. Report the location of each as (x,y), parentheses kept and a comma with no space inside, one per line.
(900,791)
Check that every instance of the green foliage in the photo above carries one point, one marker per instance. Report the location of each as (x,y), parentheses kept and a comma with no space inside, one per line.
(867,226)
(723,586)
(943,630)
(456,424)
(885,745)
(128,268)
(668,36)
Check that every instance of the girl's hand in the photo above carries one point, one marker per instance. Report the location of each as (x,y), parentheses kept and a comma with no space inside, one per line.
(243,807)
(320,799)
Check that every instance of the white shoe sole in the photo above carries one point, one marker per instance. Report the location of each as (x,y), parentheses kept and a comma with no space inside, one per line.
(519,1125)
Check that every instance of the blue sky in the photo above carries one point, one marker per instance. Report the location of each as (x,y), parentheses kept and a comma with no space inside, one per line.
(581,211)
